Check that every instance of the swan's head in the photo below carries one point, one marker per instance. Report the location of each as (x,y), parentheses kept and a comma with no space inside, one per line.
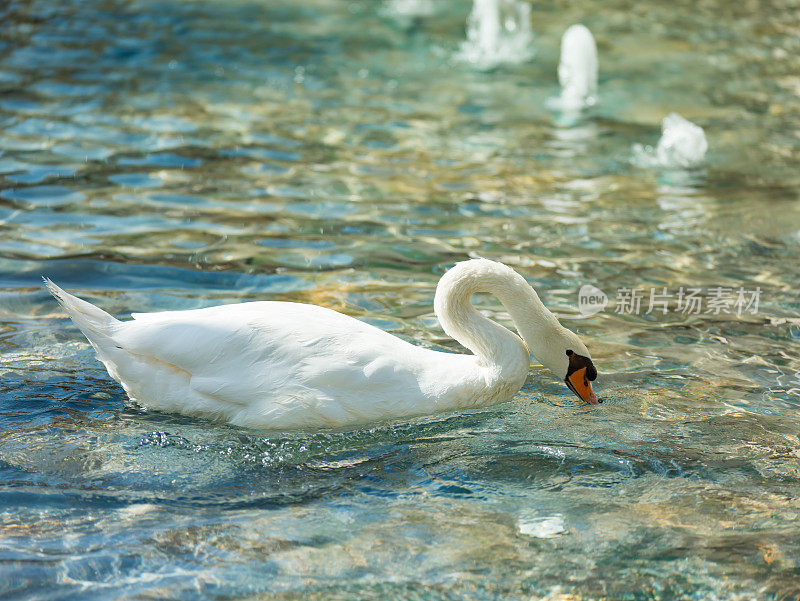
(550,343)
(567,357)
(580,374)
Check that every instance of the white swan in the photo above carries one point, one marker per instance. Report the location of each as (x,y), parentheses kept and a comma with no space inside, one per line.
(290,365)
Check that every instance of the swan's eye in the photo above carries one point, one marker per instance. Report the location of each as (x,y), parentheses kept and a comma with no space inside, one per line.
(569,353)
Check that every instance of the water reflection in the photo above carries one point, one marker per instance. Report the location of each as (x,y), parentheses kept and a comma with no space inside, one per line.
(163,156)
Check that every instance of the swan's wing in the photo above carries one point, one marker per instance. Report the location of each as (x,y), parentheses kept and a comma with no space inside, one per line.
(204,340)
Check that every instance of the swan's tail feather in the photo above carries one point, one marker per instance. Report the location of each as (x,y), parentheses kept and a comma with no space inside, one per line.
(97,325)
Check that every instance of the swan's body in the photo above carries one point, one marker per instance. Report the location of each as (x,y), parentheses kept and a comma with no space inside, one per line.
(290,365)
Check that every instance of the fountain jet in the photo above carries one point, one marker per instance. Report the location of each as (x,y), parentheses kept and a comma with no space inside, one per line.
(682,145)
(577,70)
(498,32)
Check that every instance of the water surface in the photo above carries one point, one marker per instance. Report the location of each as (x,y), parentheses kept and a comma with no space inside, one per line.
(165,155)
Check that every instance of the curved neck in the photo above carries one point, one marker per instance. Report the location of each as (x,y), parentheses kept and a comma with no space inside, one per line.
(490,342)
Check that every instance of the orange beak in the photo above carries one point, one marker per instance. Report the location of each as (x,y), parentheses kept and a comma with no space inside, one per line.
(579,384)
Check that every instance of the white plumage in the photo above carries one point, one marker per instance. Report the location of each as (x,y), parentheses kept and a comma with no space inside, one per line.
(289,365)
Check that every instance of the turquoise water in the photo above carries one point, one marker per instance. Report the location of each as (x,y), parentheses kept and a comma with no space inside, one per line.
(164,155)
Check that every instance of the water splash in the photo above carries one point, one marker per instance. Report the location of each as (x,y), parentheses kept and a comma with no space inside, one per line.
(541,527)
(577,70)
(498,33)
(682,145)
